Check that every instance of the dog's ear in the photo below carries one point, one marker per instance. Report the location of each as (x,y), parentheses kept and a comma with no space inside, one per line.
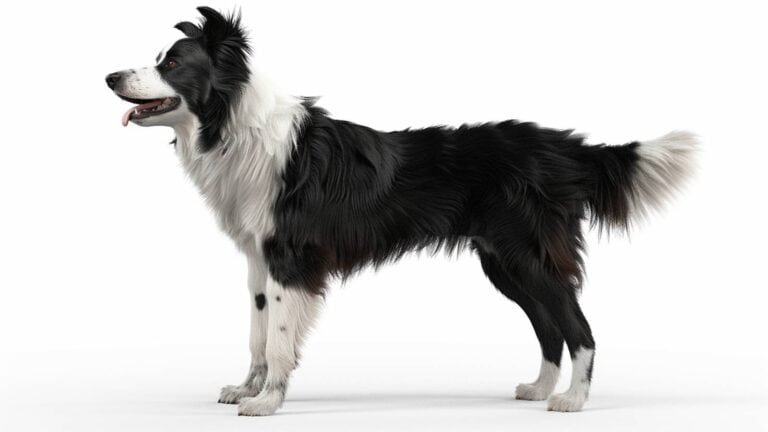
(227,45)
(223,34)
(189,29)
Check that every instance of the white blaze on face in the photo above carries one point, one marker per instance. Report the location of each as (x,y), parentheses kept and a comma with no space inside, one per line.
(161,56)
(146,83)
(169,37)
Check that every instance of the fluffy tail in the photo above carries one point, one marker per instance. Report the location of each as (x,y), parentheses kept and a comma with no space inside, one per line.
(635,179)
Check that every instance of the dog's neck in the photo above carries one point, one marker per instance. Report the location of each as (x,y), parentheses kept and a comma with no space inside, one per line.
(255,146)
(263,116)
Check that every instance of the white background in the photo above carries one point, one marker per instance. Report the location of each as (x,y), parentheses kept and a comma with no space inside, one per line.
(123,307)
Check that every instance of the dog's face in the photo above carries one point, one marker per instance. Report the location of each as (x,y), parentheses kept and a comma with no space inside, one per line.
(198,77)
(171,91)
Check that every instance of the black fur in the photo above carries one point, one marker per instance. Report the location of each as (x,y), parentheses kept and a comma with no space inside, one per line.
(213,72)
(354,196)
(546,328)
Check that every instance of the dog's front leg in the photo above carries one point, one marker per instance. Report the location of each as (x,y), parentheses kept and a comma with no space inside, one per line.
(291,314)
(257,373)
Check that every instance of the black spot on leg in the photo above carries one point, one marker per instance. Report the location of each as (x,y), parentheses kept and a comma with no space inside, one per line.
(282,328)
(261,301)
(277,298)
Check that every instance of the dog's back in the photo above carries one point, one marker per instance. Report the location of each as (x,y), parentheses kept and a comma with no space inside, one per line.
(363,196)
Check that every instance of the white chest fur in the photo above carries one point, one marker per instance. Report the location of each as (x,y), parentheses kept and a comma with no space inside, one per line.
(240,177)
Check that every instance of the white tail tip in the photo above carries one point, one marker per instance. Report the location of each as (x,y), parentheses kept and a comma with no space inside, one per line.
(665,164)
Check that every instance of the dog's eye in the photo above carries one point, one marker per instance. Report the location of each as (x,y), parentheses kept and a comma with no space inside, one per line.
(170,64)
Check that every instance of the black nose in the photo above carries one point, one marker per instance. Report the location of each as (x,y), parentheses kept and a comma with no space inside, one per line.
(113,79)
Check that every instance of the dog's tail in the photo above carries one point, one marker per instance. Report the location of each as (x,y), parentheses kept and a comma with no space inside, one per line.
(635,179)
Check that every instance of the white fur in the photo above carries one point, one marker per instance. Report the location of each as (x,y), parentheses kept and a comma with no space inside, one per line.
(573,399)
(255,146)
(290,319)
(239,179)
(146,83)
(257,372)
(544,384)
(664,166)
(164,52)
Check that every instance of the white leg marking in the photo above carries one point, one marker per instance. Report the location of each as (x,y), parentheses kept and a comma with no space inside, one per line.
(544,384)
(292,312)
(573,399)
(257,373)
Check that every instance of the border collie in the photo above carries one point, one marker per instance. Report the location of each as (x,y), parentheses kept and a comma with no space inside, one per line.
(307,197)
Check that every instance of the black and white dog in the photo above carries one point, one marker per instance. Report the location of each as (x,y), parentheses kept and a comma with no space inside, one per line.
(307,197)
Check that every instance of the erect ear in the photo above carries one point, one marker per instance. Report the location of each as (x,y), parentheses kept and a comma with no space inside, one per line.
(223,34)
(225,41)
(190,30)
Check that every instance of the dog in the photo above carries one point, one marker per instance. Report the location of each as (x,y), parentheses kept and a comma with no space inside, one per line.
(307,197)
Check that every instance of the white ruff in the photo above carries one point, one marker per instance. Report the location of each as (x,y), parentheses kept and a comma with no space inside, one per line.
(240,176)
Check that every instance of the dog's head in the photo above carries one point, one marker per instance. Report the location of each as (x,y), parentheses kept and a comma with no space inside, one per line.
(201,75)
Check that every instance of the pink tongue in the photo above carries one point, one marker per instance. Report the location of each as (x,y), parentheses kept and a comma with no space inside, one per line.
(144,106)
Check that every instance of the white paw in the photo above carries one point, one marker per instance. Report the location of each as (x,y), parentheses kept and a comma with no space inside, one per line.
(232,394)
(266,403)
(532,392)
(566,402)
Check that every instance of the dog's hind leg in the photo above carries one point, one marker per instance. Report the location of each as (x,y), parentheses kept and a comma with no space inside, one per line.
(257,373)
(578,336)
(559,299)
(291,314)
(546,264)
(547,331)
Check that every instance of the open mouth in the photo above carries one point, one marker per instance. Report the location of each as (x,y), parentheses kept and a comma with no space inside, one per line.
(149,107)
